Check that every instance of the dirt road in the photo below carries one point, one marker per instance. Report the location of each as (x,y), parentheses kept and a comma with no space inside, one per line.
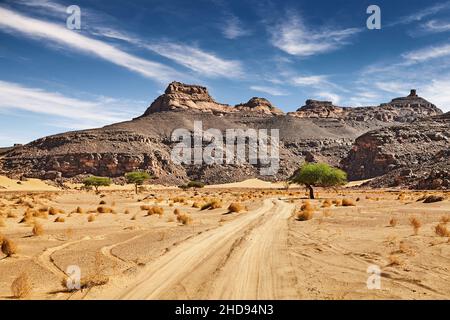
(245,258)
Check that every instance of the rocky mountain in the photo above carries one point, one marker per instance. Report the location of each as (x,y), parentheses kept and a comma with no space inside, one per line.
(413,155)
(318,131)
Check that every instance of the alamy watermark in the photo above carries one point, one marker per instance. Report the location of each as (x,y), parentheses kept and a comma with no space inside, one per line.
(73,21)
(374,20)
(237,146)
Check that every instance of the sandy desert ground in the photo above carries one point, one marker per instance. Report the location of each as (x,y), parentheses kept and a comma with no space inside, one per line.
(272,249)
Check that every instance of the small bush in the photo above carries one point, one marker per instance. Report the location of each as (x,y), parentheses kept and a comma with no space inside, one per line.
(104,210)
(145,207)
(91,218)
(9,248)
(79,210)
(176,211)
(184,218)
(38,229)
(326,203)
(197,204)
(236,207)
(348,203)
(304,215)
(432,198)
(21,287)
(127,211)
(393,222)
(102,202)
(155,210)
(441,230)
(213,204)
(416,224)
(60,219)
(337,202)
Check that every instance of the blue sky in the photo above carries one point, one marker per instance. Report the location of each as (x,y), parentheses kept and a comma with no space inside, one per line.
(53,79)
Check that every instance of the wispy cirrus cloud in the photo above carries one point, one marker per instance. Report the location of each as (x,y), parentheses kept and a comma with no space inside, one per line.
(233,28)
(200,61)
(81,113)
(421,14)
(39,29)
(435,26)
(428,53)
(295,38)
(309,81)
(270,90)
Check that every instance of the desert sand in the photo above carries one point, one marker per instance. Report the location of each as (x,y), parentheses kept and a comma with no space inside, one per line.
(261,252)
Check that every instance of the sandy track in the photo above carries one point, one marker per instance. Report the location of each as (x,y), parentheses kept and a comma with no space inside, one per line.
(244,258)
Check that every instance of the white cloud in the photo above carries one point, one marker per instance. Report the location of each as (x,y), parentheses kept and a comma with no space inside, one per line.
(82,113)
(392,86)
(329,96)
(421,14)
(437,92)
(436,26)
(293,37)
(270,90)
(200,61)
(38,29)
(233,28)
(425,54)
(309,81)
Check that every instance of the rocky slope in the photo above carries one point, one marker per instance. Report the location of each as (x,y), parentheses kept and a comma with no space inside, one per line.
(319,131)
(413,155)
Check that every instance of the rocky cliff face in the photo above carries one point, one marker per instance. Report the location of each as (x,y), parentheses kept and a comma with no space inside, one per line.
(319,131)
(405,109)
(402,154)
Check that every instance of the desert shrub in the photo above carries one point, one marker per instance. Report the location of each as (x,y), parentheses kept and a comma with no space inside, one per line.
(126,211)
(43,209)
(91,218)
(79,210)
(433,198)
(348,202)
(393,222)
(60,219)
(213,204)
(102,202)
(337,202)
(416,224)
(441,230)
(197,204)
(38,229)
(176,211)
(304,215)
(307,206)
(102,209)
(9,248)
(326,203)
(155,210)
(21,287)
(145,207)
(184,218)
(179,200)
(137,178)
(54,211)
(235,207)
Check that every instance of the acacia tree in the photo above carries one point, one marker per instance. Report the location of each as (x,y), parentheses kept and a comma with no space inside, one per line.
(318,175)
(97,182)
(137,178)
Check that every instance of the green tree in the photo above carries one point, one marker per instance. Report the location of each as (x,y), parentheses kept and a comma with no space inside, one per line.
(318,175)
(137,178)
(97,182)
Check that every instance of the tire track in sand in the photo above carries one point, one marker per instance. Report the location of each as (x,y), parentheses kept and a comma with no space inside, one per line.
(181,273)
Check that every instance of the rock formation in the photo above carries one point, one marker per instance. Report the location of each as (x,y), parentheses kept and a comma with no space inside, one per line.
(366,141)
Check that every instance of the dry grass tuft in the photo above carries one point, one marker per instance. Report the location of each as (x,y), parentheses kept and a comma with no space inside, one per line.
(184,218)
(348,203)
(176,211)
(416,224)
(307,206)
(91,218)
(102,202)
(236,207)
(337,202)
(393,222)
(105,210)
(54,211)
(326,203)
(21,286)
(441,230)
(213,204)
(197,204)
(79,210)
(155,210)
(38,229)
(304,215)
(9,248)
(60,219)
